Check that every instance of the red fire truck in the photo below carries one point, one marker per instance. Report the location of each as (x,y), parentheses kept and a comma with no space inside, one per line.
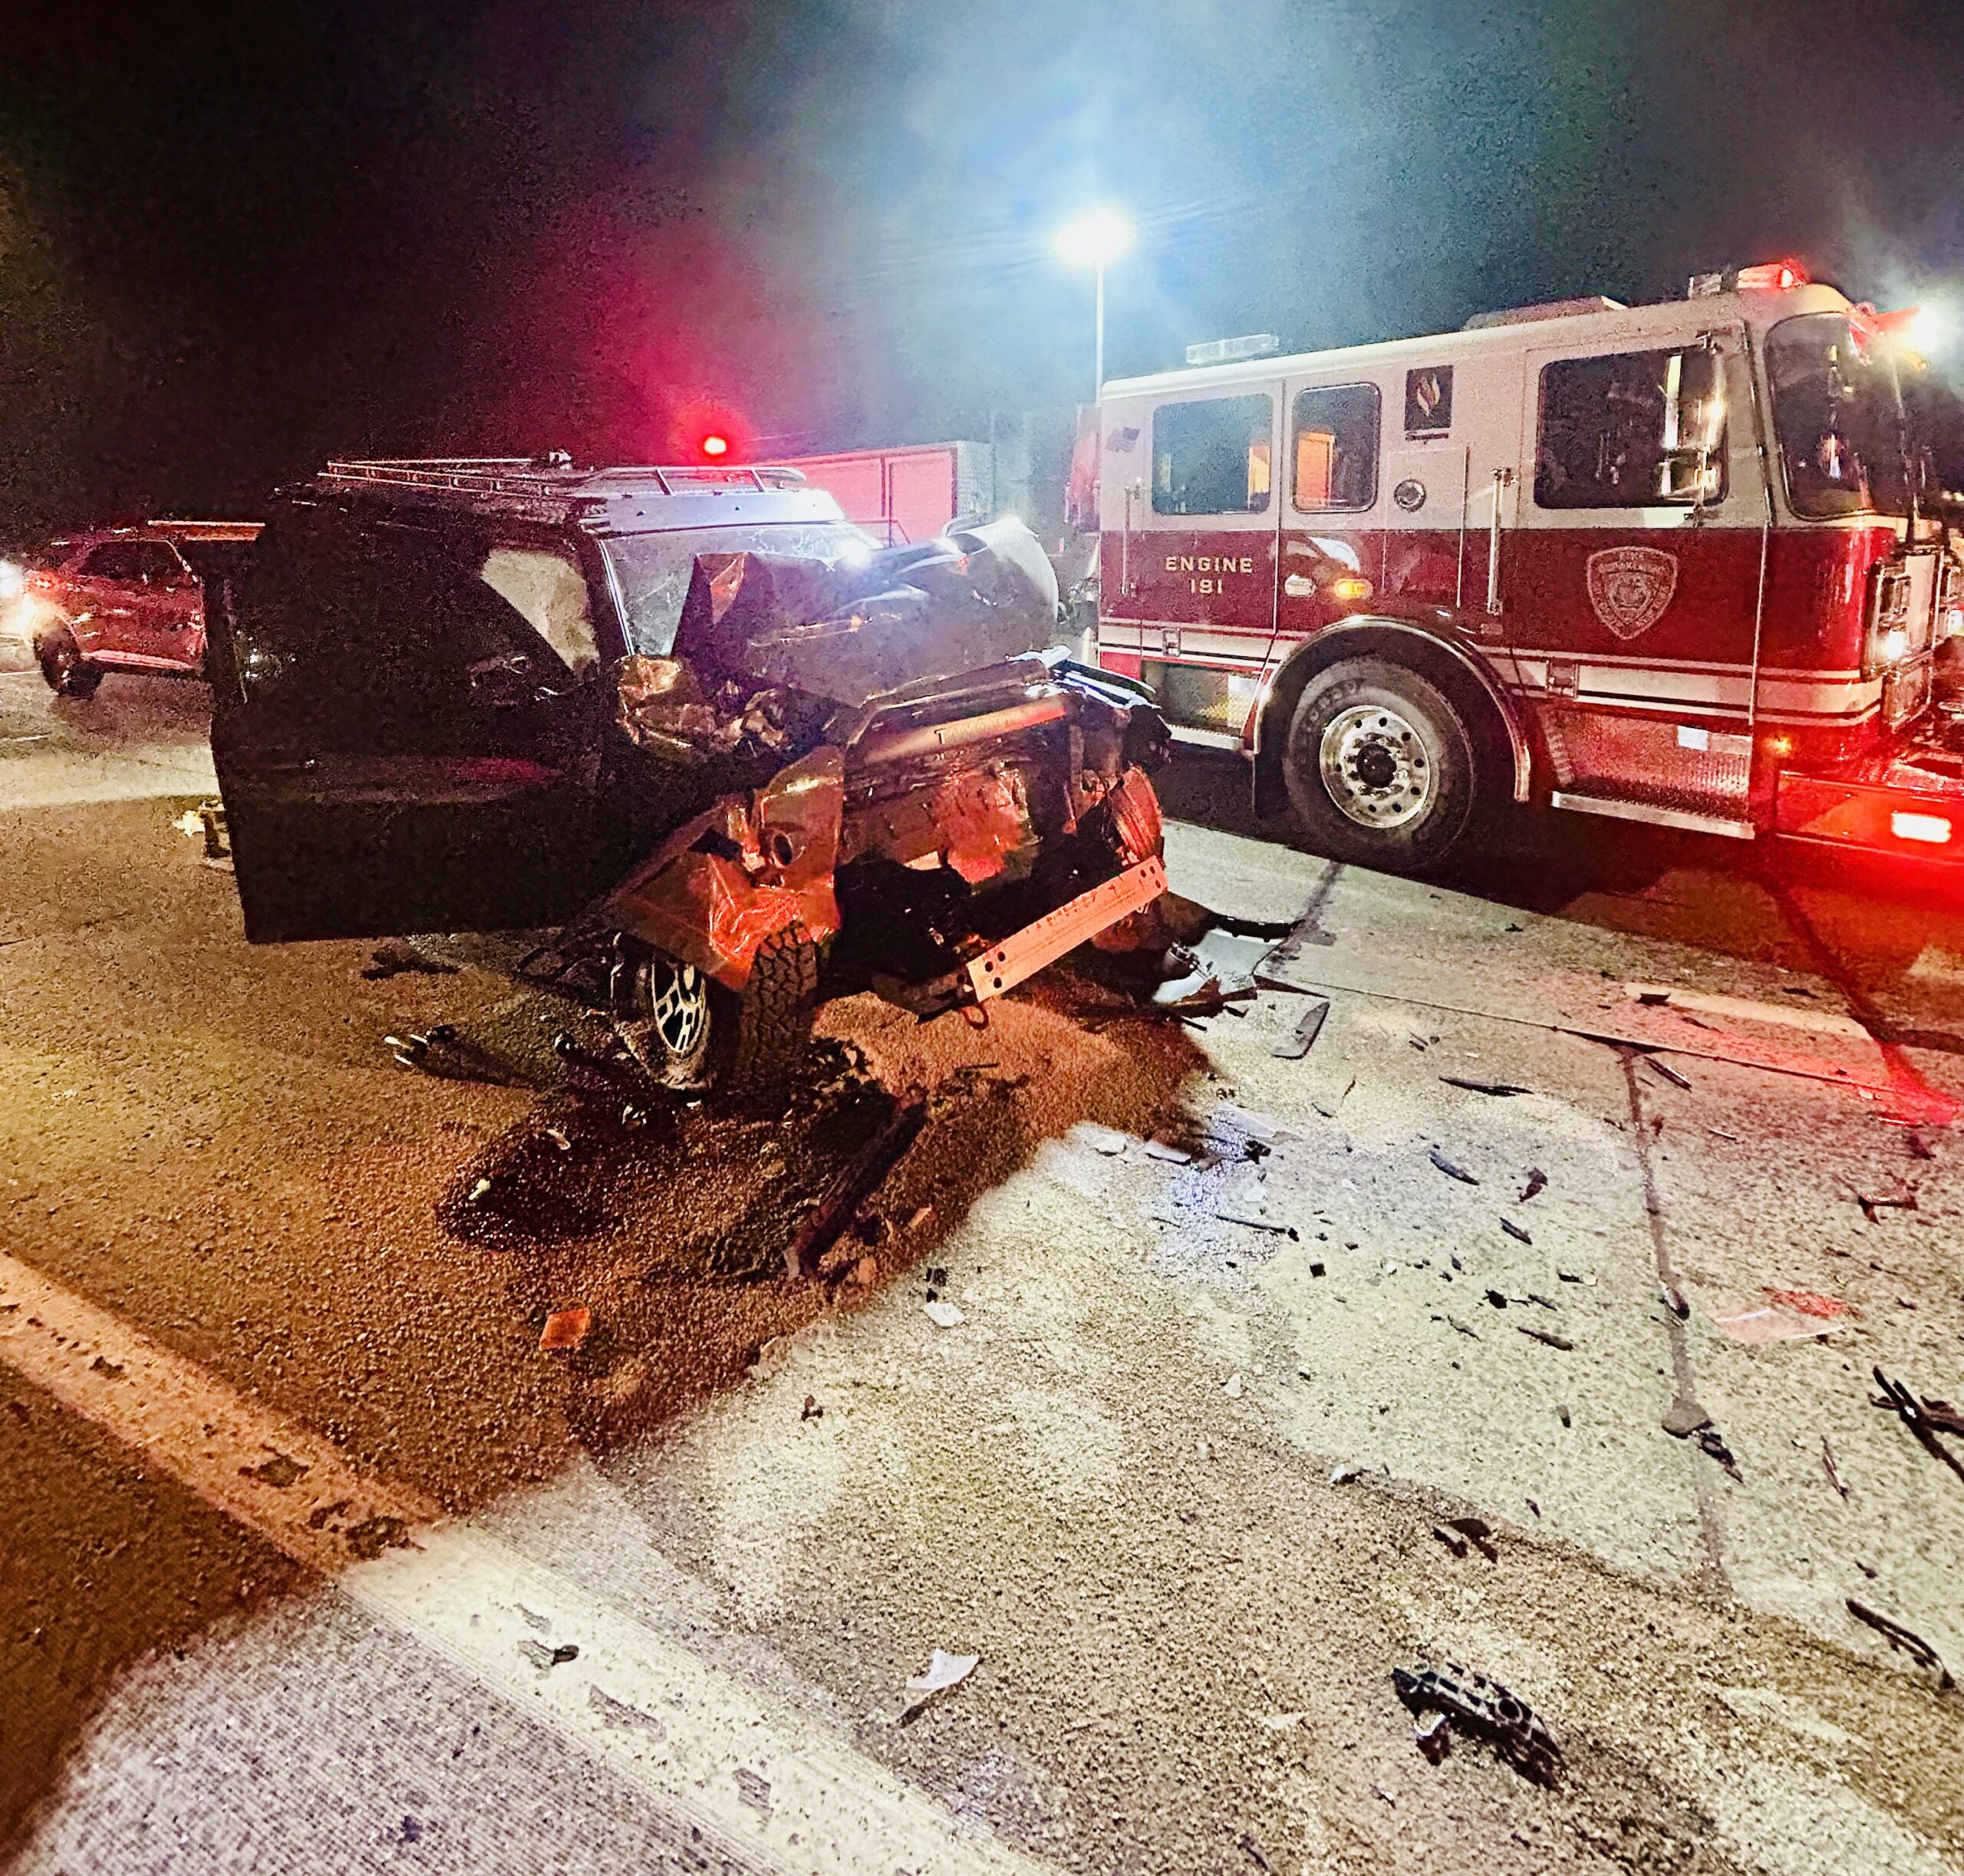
(1664,563)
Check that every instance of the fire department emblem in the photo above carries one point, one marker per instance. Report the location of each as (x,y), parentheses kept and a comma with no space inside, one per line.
(1629,587)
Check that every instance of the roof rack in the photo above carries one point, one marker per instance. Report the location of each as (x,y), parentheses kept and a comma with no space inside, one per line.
(554,474)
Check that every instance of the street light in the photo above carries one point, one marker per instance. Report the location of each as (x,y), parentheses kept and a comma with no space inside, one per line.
(1091,239)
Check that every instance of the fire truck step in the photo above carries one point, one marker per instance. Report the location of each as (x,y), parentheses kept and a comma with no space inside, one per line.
(1645,811)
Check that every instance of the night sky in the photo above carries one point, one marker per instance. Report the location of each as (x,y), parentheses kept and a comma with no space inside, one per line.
(235,238)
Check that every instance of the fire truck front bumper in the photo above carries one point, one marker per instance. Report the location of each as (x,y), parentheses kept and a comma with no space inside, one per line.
(1910,804)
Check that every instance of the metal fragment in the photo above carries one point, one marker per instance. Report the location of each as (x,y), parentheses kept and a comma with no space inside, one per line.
(1897,1636)
(1483,1707)
(1451,1171)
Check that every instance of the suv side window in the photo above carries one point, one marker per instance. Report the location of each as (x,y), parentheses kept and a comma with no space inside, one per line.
(1633,430)
(366,635)
(155,561)
(548,591)
(1333,432)
(114,560)
(1212,458)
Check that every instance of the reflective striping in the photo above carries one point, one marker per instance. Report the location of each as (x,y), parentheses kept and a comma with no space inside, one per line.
(769,1788)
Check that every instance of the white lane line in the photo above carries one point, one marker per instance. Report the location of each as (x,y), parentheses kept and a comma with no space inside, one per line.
(769,1787)
(291,1486)
(1743,1010)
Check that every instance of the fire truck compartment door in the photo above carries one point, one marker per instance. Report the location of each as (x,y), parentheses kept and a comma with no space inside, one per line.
(1199,544)
(1630,585)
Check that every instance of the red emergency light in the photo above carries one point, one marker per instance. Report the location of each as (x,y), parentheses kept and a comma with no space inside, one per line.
(1772,277)
(713,445)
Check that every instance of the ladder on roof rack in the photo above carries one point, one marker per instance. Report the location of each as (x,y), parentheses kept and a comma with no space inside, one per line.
(524,474)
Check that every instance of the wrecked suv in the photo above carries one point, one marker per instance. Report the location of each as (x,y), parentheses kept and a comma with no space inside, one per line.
(742,759)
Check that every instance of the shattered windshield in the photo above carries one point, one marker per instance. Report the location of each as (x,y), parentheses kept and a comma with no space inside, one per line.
(653,570)
(1835,409)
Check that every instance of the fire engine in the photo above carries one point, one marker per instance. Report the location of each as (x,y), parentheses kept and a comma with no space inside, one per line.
(1665,563)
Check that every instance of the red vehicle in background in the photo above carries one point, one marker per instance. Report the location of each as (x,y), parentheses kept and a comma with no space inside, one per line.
(120,599)
(1670,563)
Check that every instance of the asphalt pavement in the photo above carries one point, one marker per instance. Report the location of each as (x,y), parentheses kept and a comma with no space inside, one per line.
(1528,1321)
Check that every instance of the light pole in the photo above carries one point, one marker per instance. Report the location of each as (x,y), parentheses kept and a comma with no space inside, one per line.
(1093,239)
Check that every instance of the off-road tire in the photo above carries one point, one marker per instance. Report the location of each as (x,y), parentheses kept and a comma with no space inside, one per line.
(759,1035)
(68,672)
(1382,767)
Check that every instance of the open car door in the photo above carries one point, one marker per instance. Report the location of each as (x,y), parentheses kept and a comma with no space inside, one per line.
(409,730)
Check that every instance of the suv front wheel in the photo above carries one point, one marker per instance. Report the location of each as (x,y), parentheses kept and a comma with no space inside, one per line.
(68,672)
(691,1033)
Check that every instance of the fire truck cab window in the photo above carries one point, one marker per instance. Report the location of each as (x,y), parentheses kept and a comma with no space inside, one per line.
(1634,430)
(1212,458)
(1334,433)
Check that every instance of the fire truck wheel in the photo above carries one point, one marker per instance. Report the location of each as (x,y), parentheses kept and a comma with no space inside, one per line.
(68,672)
(1379,767)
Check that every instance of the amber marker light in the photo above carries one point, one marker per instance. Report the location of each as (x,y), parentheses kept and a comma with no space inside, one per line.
(1351,589)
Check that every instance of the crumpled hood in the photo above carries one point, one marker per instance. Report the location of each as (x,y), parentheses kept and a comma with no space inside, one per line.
(853,634)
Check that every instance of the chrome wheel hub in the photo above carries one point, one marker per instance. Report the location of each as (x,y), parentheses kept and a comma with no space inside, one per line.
(678,1005)
(1375,767)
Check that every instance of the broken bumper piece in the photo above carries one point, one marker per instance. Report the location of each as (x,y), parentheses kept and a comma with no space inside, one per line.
(1011,961)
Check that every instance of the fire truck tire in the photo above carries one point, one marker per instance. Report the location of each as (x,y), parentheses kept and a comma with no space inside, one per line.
(1380,767)
(68,672)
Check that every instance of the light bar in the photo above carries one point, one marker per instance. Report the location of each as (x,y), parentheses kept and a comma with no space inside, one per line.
(1233,350)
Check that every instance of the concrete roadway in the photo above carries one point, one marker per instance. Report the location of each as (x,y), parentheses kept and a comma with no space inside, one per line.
(314,1560)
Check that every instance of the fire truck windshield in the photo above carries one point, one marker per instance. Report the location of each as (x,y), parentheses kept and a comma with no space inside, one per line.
(1835,407)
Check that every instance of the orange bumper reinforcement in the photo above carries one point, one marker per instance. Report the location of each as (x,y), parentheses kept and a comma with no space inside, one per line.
(1003,966)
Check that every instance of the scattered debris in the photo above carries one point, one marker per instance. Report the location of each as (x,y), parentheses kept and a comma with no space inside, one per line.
(395,957)
(1233,1387)
(546,1659)
(1345,1475)
(1107,1140)
(855,1184)
(566,1328)
(921,1216)
(1515,1231)
(1537,1179)
(1792,1316)
(1452,1171)
(1827,1467)
(1906,1639)
(1497,1299)
(1484,1087)
(559,1137)
(1330,1106)
(1246,1202)
(1674,1301)
(1544,1335)
(811,1410)
(1316,1270)
(1923,1418)
(1478,1532)
(1872,1205)
(614,1712)
(1665,1072)
(943,1315)
(944,1671)
(1719,1134)
(103,1366)
(1685,1418)
(1433,1737)
(754,1789)
(1562,1413)
(1166,1150)
(479,1192)
(1302,1038)
(1485,1708)
(1463,1328)
(1451,1539)
(279,1471)
(865,1273)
